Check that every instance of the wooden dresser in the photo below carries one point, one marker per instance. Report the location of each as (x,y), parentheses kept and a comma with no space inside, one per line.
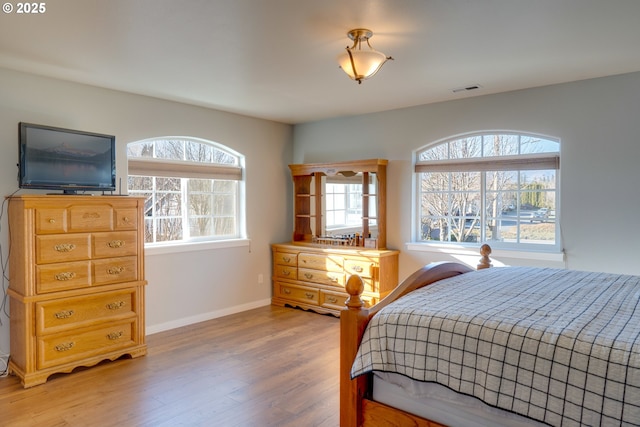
(76,282)
(313,277)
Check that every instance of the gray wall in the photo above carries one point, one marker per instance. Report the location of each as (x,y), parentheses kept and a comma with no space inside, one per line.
(186,286)
(598,122)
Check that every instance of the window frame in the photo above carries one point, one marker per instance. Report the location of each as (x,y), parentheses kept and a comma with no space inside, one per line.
(547,160)
(185,170)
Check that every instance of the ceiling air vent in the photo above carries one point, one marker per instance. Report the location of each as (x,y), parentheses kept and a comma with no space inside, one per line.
(465,88)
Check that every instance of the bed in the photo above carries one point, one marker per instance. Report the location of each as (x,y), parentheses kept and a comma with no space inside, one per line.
(502,346)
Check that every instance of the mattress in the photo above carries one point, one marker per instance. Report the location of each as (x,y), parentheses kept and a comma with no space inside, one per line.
(440,404)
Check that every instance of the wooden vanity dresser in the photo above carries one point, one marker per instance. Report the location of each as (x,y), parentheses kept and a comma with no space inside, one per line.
(76,282)
(339,230)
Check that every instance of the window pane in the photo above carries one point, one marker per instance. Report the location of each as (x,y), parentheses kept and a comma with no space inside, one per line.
(140,149)
(439,152)
(224,158)
(197,152)
(200,204)
(140,183)
(168,229)
(225,186)
(201,226)
(438,181)
(466,148)
(530,144)
(224,205)
(224,226)
(169,149)
(500,145)
(148,230)
(168,184)
(168,204)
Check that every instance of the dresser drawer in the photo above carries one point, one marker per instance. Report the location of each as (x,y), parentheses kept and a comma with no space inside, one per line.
(64,348)
(94,218)
(62,314)
(285,272)
(361,267)
(332,278)
(297,293)
(51,220)
(126,219)
(333,299)
(62,247)
(337,300)
(63,276)
(324,262)
(285,258)
(115,244)
(114,270)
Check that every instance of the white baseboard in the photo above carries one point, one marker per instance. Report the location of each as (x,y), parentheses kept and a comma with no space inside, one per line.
(154,329)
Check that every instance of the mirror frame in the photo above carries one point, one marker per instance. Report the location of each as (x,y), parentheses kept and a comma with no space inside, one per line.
(308,205)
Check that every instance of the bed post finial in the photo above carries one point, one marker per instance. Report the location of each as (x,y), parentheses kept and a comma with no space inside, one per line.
(485,261)
(354,288)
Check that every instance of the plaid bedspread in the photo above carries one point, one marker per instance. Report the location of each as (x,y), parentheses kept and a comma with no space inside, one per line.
(558,346)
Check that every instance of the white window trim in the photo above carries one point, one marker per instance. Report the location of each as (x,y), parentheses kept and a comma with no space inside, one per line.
(468,250)
(151,249)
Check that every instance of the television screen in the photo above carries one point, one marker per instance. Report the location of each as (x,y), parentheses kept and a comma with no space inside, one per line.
(63,159)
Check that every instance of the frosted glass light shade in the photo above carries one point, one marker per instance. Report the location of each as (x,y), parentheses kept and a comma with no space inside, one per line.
(365,63)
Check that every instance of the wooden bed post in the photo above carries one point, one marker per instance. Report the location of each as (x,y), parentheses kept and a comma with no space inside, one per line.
(353,321)
(355,404)
(485,261)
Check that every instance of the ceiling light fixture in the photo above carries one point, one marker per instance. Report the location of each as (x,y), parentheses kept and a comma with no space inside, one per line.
(358,63)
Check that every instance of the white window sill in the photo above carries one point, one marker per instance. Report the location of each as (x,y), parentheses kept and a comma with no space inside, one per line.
(176,247)
(452,249)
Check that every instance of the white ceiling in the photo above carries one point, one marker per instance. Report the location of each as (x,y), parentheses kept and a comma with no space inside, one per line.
(275,59)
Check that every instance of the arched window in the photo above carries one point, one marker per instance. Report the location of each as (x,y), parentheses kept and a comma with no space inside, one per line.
(495,187)
(193,189)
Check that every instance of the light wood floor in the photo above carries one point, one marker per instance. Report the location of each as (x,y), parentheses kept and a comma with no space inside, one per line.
(270,366)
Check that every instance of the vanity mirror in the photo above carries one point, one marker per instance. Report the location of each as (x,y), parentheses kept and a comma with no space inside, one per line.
(340,203)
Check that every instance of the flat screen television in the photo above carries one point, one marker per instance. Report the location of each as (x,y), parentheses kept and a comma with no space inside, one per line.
(66,160)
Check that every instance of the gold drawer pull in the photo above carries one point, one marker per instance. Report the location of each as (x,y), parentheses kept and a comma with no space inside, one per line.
(357,268)
(64,314)
(286,259)
(309,295)
(115,305)
(52,221)
(115,270)
(65,347)
(64,247)
(286,291)
(332,300)
(308,276)
(115,335)
(66,275)
(286,272)
(126,220)
(334,279)
(115,244)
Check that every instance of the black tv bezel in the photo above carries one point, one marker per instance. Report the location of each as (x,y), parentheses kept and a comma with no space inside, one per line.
(61,186)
